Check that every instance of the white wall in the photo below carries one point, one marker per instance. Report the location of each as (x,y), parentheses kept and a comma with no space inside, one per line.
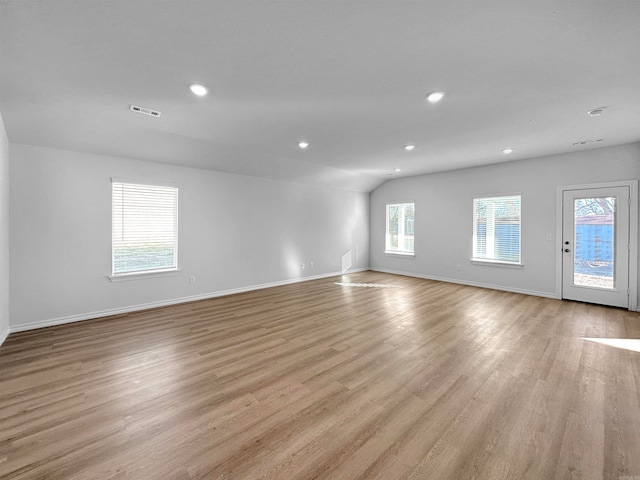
(4,233)
(443,224)
(235,232)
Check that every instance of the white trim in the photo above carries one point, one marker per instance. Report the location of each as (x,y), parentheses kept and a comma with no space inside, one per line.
(150,183)
(399,254)
(125,277)
(4,335)
(402,202)
(633,246)
(469,284)
(496,263)
(165,303)
(633,234)
(496,195)
(559,229)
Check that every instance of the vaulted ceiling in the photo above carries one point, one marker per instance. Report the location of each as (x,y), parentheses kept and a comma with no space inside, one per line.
(349,77)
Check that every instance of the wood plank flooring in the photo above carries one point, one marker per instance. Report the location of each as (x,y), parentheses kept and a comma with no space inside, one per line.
(400,379)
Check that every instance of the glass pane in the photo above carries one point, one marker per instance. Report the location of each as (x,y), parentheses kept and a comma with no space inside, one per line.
(594,242)
(393,227)
(408,227)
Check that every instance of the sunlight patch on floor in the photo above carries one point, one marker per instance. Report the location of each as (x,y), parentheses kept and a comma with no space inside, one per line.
(632,344)
(369,285)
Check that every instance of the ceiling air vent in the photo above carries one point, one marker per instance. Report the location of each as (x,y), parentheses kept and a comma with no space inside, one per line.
(146,111)
(584,142)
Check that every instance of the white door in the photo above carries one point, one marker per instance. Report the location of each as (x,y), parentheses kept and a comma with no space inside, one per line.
(595,245)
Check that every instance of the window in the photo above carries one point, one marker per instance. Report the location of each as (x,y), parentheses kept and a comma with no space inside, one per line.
(144,228)
(496,229)
(400,224)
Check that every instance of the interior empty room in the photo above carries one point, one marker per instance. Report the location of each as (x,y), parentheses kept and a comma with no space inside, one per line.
(319,239)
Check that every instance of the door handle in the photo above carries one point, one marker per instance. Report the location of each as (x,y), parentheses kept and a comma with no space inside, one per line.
(567,250)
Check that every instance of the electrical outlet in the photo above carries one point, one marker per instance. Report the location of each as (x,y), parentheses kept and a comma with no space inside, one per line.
(549,237)
(302,266)
(310,264)
(192,279)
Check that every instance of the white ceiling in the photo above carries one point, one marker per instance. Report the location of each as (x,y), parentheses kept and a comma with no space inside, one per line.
(348,76)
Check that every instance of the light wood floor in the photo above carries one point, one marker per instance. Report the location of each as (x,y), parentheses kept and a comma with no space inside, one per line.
(418,380)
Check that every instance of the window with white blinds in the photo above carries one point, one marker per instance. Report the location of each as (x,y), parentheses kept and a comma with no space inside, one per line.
(496,229)
(144,228)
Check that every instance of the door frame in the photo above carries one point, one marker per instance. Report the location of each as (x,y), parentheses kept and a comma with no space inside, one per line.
(633,234)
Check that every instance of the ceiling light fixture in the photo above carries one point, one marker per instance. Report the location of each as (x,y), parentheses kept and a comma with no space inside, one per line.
(199,90)
(596,112)
(507,151)
(409,147)
(435,97)
(303,144)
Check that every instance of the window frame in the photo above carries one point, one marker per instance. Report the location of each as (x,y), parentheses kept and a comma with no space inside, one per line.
(474,247)
(398,252)
(149,272)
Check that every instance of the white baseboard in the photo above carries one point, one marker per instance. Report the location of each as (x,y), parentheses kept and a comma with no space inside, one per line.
(164,303)
(175,301)
(470,284)
(4,333)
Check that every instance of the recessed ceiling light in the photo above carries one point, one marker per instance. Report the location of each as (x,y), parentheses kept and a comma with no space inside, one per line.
(199,90)
(595,112)
(409,147)
(507,151)
(435,97)
(303,144)
(397,169)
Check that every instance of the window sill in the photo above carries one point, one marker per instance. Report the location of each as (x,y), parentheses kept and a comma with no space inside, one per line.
(496,263)
(400,254)
(125,277)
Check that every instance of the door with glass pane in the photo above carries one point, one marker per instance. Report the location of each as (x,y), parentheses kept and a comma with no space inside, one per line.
(595,246)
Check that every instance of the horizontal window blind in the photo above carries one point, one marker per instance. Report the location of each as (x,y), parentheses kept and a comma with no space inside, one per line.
(496,228)
(144,228)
